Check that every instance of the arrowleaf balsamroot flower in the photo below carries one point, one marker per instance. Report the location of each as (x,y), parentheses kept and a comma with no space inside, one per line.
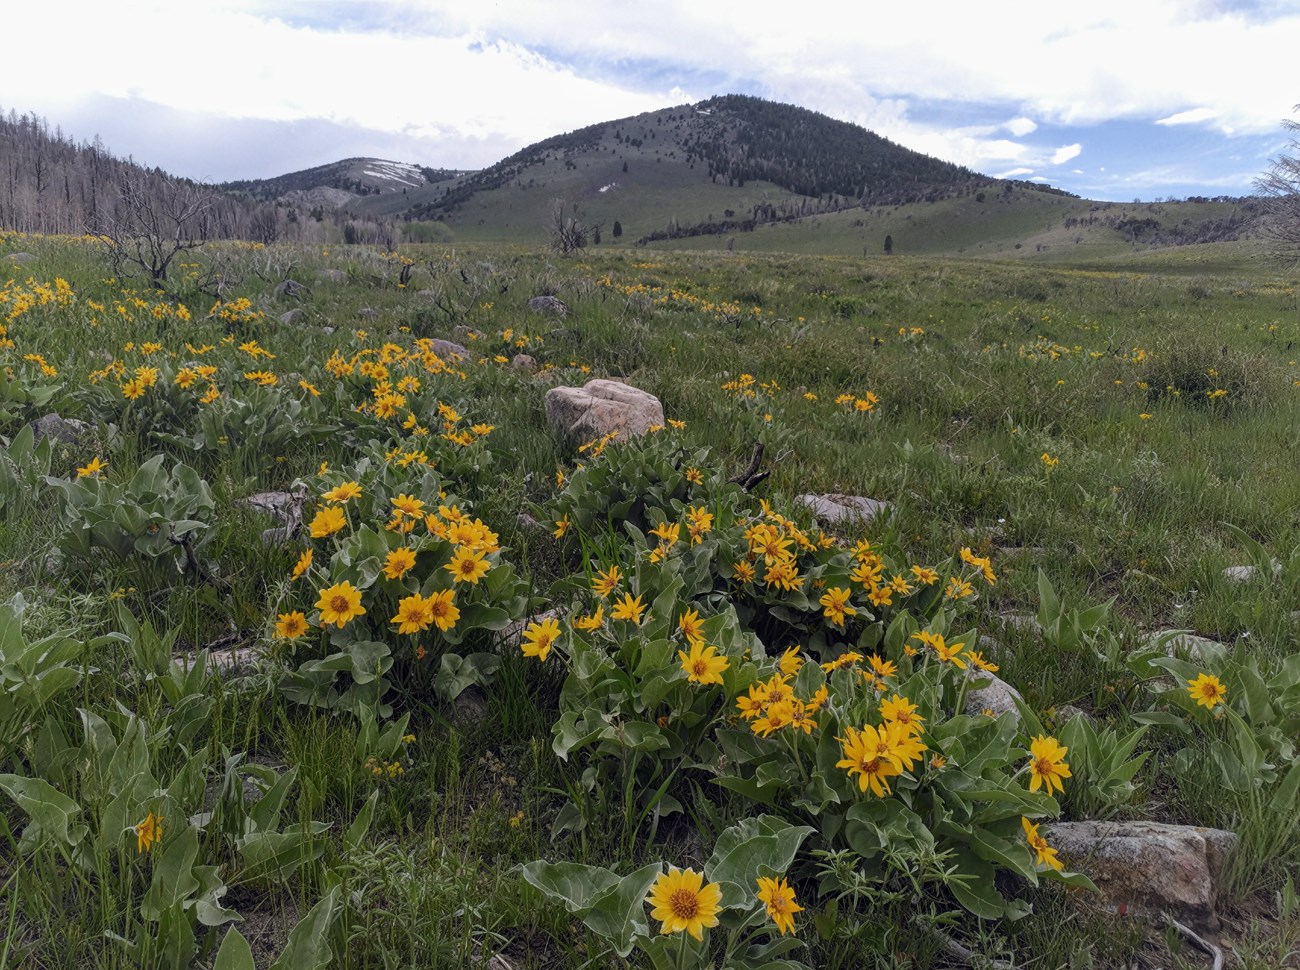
(93,468)
(413,614)
(339,604)
(606,582)
(836,601)
(1046,854)
(538,638)
(691,626)
(862,757)
(1207,691)
(778,897)
(682,901)
(343,492)
(899,710)
(303,564)
(291,626)
(442,607)
(703,665)
(468,565)
(399,562)
(1047,764)
(148,832)
(328,521)
(629,608)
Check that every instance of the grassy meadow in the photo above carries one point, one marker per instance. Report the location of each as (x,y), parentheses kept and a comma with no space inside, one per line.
(350,790)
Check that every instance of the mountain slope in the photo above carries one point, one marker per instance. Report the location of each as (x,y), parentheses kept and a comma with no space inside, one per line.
(353,177)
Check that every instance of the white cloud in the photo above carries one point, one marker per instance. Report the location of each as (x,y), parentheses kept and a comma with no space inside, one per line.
(461,78)
(1190,117)
(1065,153)
(1014,173)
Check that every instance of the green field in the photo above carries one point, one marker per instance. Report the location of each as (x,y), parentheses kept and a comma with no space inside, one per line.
(1090,423)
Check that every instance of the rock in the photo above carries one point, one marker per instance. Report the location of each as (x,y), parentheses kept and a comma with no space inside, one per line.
(602,407)
(469,708)
(524,362)
(548,304)
(21,259)
(1026,622)
(367,313)
(1068,712)
(332,275)
(835,509)
(290,317)
(285,506)
(448,349)
(1150,865)
(528,523)
(289,289)
(227,661)
(1245,574)
(66,430)
(998,697)
(327,330)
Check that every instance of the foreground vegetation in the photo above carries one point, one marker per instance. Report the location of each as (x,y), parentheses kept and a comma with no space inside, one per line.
(418,766)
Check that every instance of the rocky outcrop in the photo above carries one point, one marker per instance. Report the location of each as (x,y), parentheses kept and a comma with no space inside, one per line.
(1152,866)
(602,407)
(65,430)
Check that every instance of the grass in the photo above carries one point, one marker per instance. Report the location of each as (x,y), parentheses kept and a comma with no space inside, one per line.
(996,365)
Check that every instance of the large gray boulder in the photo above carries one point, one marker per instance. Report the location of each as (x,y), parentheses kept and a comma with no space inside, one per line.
(602,407)
(1152,866)
(834,509)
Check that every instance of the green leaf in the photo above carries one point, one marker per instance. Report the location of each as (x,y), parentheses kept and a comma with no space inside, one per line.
(52,812)
(235,953)
(765,845)
(575,885)
(619,915)
(360,826)
(308,947)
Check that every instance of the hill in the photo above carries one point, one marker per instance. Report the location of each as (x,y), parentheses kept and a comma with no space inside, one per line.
(348,180)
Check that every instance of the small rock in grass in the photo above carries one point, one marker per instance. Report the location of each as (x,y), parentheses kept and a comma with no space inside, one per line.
(998,697)
(548,304)
(1153,866)
(834,509)
(21,259)
(66,430)
(367,313)
(1178,643)
(332,275)
(290,317)
(1246,574)
(448,350)
(469,708)
(524,362)
(289,290)
(602,407)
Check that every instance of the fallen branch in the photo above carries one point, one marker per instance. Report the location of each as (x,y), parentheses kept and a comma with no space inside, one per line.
(193,562)
(1200,942)
(751,476)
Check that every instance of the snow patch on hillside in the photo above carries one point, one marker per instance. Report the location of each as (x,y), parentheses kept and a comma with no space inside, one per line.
(400,172)
(606,188)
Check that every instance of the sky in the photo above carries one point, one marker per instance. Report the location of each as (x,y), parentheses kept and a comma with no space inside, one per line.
(1109,99)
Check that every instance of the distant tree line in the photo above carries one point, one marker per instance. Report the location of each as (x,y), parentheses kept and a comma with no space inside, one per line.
(50,183)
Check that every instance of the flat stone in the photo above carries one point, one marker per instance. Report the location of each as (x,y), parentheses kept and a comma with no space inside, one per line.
(602,407)
(548,304)
(227,661)
(524,362)
(835,509)
(66,430)
(1152,866)
(1026,622)
(22,259)
(290,317)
